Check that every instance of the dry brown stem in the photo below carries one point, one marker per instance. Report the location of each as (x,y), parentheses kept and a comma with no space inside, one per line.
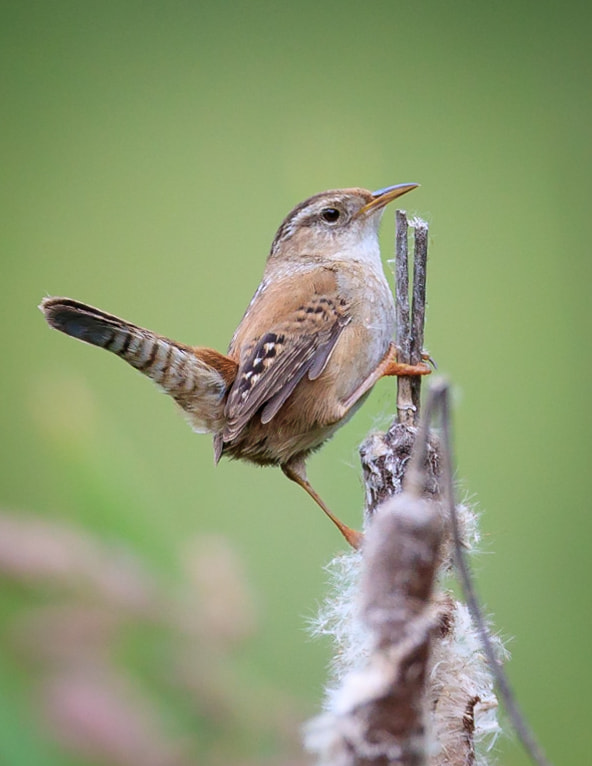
(418,690)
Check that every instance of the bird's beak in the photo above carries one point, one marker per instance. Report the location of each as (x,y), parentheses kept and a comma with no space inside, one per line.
(382,197)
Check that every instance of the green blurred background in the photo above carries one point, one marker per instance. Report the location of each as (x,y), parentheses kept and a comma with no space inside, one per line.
(150,150)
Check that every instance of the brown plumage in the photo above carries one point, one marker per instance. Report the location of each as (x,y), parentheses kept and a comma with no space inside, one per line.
(314,340)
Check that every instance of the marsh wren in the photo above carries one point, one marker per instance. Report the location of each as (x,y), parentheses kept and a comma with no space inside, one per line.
(314,340)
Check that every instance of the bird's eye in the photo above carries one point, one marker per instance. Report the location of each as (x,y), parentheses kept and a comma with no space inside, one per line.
(330,214)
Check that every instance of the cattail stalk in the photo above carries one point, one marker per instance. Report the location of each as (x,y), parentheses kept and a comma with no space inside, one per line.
(410,683)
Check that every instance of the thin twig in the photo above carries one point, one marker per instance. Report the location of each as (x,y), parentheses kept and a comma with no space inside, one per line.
(420,257)
(440,396)
(405,406)
(402,288)
(410,324)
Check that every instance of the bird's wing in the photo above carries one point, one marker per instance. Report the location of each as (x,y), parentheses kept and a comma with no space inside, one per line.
(298,343)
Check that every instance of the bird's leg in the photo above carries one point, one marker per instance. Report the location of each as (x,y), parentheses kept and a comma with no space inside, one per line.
(296,471)
(388,366)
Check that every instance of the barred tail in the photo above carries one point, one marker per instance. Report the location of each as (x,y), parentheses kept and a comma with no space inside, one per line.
(197,378)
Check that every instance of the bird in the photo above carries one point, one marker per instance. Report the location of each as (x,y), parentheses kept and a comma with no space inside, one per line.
(315,338)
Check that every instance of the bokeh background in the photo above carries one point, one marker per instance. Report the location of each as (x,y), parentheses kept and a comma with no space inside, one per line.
(150,150)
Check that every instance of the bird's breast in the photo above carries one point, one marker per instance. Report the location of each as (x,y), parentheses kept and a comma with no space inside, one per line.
(366,339)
